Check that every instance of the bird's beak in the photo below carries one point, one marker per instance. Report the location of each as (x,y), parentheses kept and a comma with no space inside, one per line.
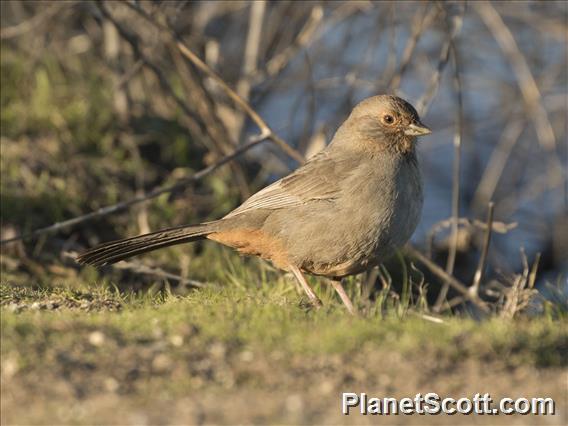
(417,129)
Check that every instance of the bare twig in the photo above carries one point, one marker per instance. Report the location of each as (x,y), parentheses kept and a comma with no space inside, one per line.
(441,273)
(105,211)
(264,128)
(455,25)
(155,272)
(313,29)
(203,67)
(534,270)
(455,179)
(529,89)
(430,318)
(35,21)
(421,21)
(194,123)
(525,79)
(555,26)
(496,226)
(533,189)
(278,62)
(474,289)
(458,300)
(198,116)
(205,107)
(125,78)
(143,269)
(252,47)
(496,164)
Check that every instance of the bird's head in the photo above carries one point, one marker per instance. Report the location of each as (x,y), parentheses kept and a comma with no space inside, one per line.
(386,122)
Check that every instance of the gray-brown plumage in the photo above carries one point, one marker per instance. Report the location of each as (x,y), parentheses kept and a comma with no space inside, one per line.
(345,210)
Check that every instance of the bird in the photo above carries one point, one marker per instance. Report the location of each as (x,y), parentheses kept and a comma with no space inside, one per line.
(345,210)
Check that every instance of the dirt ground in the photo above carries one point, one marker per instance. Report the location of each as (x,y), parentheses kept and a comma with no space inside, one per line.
(103,361)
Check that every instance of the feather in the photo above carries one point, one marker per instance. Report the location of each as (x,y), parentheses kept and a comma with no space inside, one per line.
(318,179)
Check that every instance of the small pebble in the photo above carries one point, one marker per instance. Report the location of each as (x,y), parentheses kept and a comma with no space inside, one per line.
(111,384)
(96,338)
(294,403)
(218,350)
(161,363)
(247,356)
(176,340)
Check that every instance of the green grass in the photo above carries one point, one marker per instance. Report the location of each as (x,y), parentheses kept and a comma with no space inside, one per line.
(269,320)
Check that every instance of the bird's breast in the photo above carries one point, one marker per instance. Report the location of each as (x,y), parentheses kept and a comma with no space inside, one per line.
(389,208)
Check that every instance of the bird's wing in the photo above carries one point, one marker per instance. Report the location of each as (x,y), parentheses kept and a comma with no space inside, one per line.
(318,179)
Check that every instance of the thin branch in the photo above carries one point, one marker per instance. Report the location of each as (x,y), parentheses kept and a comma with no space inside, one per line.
(528,86)
(420,22)
(252,47)
(534,270)
(455,179)
(197,115)
(525,79)
(205,108)
(105,211)
(474,289)
(496,164)
(442,274)
(128,75)
(162,80)
(206,69)
(499,227)
(264,128)
(140,268)
(310,32)
(35,21)
(455,25)
(550,27)
(155,272)
(306,35)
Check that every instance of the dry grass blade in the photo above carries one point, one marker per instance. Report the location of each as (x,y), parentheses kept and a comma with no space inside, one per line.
(519,295)
(454,283)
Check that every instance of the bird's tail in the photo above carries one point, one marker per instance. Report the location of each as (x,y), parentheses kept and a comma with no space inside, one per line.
(115,251)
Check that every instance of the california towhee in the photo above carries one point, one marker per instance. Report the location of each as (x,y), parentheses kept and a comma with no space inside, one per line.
(344,211)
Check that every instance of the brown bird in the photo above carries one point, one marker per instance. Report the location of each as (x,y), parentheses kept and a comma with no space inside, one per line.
(347,209)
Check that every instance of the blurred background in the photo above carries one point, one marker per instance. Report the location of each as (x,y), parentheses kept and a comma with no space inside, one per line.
(100,105)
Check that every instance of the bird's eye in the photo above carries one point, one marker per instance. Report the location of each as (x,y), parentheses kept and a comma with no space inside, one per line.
(388,119)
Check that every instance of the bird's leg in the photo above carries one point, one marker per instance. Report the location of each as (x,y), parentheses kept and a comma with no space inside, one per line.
(336,283)
(314,299)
